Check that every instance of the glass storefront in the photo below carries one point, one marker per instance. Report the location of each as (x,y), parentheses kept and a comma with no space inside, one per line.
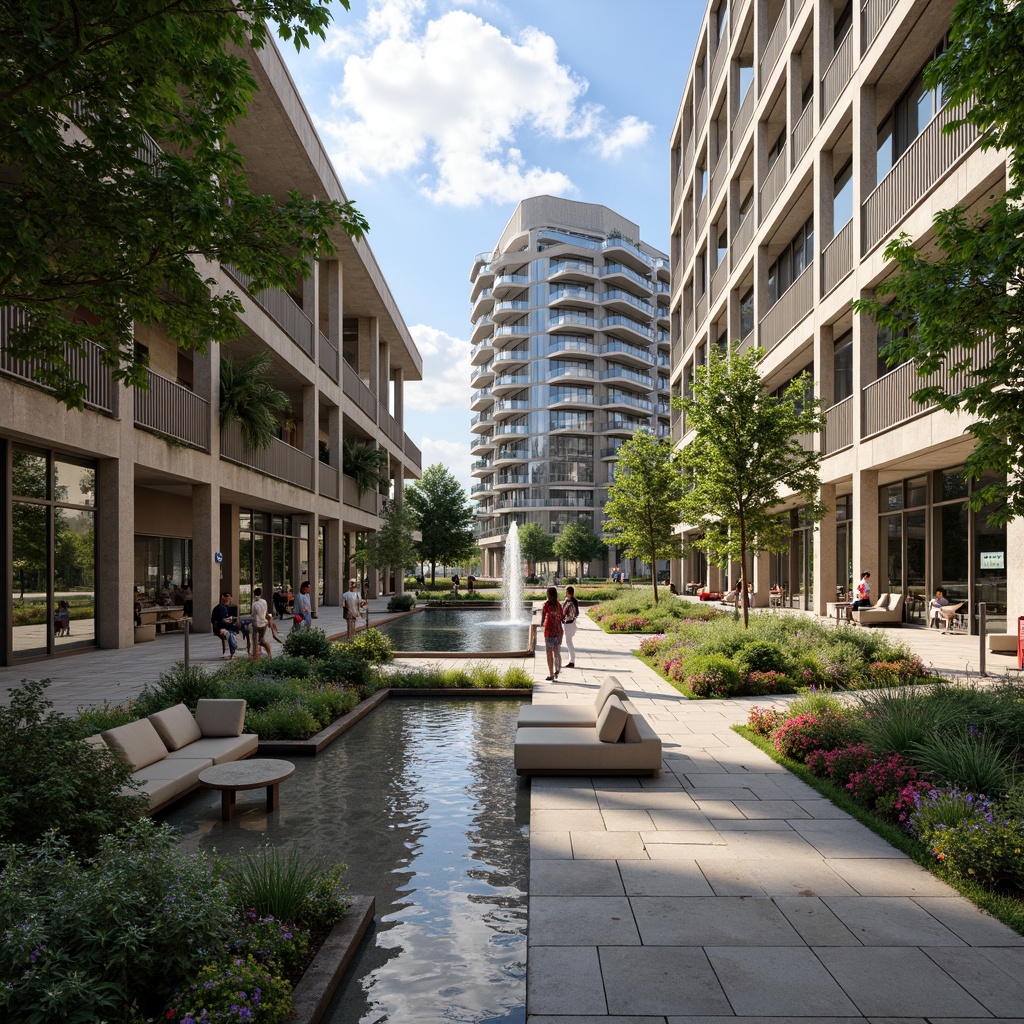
(271,554)
(53,542)
(163,569)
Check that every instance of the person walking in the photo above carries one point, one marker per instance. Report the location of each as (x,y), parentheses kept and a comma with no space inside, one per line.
(303,607)
(863,593)
(570,613)
(224,620)
(351,604)
(551,615)
(258,610)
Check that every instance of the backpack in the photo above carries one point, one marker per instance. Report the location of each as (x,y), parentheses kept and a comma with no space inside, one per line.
(569,611)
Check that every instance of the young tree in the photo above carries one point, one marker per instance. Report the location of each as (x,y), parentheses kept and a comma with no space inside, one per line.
(443,516)
(578,543)
(645,501)
(536,545)
(392,545)
(748,448)
(119,179)
(947,307)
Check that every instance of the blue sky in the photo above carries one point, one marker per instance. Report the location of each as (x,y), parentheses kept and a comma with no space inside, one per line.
(440,115)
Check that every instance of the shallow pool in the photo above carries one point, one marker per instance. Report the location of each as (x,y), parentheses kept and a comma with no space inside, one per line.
(420,799)
(448,629)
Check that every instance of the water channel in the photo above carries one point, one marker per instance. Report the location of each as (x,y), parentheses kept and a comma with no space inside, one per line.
(447,630)
(420,799)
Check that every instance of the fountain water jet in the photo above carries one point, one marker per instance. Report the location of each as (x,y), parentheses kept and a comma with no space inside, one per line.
(512,584)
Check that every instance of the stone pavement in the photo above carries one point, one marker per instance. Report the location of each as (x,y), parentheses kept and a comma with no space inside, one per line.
(728,888)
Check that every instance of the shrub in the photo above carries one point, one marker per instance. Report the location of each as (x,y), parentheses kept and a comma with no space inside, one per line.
(839,764)
(343,665)
(239,989)
(89,721)
(761,656)
(895,721)
(946,808)
(799,736)
(268,941)
(182,684)
(988,852)
(281,721)
(281,667)
(50,779)
(652,646)
(711,675)
(87,940)
(901,672)
(260,694)
(878,785)
(765,684)
(307,643)
(329,702)
(764,721)
(1012,805)
(402,602)
(372,646)
(972,760)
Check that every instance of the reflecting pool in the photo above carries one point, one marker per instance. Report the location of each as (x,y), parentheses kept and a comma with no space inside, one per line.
(420,799)
(447,629)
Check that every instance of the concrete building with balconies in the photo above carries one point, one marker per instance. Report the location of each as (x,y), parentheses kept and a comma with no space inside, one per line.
(570,358)
(142,492)
(805,140)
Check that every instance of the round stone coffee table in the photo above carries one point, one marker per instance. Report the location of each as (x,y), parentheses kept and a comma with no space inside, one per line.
(255,773)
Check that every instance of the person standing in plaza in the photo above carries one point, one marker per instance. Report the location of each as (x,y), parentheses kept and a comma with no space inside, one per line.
(303,607)
(351,604)
(570,613)
(258,610)
(551,615)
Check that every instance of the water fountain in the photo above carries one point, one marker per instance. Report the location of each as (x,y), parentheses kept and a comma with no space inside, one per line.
(512,585)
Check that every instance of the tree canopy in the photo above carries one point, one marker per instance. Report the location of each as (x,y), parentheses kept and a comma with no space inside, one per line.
(749,447)
(578,543)
(536,545)
(444,518)
(957,309)
(392,545)
(118,178)
(645,502)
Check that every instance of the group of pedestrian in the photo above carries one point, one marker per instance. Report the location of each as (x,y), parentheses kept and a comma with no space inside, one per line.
(559,623)
(227,623)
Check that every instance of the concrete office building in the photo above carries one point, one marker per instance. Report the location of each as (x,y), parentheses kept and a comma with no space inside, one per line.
(148,486)
(570,359)
(805,140)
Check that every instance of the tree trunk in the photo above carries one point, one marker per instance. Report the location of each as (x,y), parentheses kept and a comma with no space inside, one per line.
(654,575)
(743,569)
(433,572)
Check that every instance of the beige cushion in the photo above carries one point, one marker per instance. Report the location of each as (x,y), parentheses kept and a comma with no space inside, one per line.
(220,717)
(883,601)
(611,721)
(610,686)
(219,749)
(136,743)
(176,726)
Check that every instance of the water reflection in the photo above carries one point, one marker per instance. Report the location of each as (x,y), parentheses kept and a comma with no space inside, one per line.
(421,801)
(445,629)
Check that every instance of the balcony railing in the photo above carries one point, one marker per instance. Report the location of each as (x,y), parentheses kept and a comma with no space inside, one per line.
(86,366)
(744,236)
(627,323)
(837,75)
(412,453)
(802,132)
(887,401)
(328,357)
(688,245)
(742,121)
(280,460)
(688,152)
(720,278)
(174,411)
(357,391)
(702,214)
(793,305)
(718,175)
(929,157)
(390,426)
(873,15)
(773,50)
(837,259)
(721,58)
(677,190)
(281,308)
(838,427)
(368,501)
(700,315)
(330,482)
(774,181)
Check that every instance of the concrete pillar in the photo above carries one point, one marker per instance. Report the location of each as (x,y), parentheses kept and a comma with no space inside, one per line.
(369,335)
(312,559)
(865,153)
(825,553)
(399,499)
(115,565)
(865,527)
(333,299)
(398,411)
(384,375)
(794,101)
(334,585)
(229,575)
(206,582)
(1015,578)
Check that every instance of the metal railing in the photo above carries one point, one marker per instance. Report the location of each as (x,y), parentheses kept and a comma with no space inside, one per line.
(773,183)
(688,151)
(368,501)
(837,75)
(173,410)
(701,312)
(721,58)
(772,52)
(281,308)
(720,278)
(354,388)
(718,175)
(742,120)
(837,259)
(838,432)
(280,460)
(873,15)
(887,401)
(412,453)
(677,190)
(86,366)
(929,157)
(330,482)
(743,237)
(390,425)
(688,245)
(328,357)
(803,130)
(702,214)
(688,328)
(793,305)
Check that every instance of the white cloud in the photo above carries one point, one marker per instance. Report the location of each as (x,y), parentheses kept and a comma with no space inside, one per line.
(446,371)
(453,455)
(455,93)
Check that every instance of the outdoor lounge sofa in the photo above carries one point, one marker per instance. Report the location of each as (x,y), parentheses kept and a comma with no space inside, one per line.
(621,742)
(886,611)
(169,749)
(570,715)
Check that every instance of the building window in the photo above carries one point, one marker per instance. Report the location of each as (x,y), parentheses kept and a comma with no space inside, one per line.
(842,367)
(792,262)
(746,206)
(842,25)
(842,197)
(747,312)
(722,19)
(776,149)
(723,247)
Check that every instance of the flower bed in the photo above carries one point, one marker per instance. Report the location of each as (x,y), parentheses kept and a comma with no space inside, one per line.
(636,612)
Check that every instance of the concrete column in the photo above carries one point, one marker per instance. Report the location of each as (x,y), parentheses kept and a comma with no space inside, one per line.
(760,291)
(334,292)
(399,499)
(115,566)
(865,357)
(865,526)
(334,565)
(229,573)
(824,364)
(311,299)
(384,375)
(206,582)
(313,559)
(824,178)
(825,553)
(865,154)
(1015,579)
(794,100)
(762,579)
(369,336)
(399,404)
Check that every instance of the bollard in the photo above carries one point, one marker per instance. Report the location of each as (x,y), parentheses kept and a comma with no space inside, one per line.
(982,630)
(188,623)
